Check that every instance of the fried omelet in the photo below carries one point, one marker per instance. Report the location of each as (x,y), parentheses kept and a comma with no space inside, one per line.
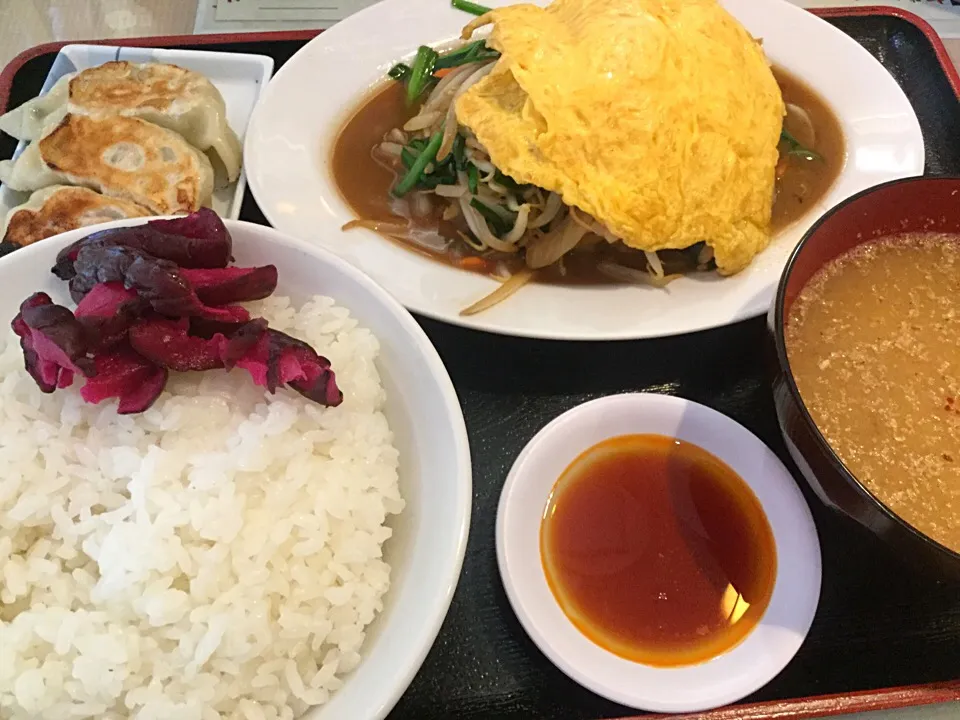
(660,118)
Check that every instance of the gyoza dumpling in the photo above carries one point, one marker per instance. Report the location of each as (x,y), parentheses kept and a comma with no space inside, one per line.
(122,157)
(167,95)
(60,208)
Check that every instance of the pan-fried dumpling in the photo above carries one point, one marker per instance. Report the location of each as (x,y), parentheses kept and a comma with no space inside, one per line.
(60,208)
(167,95)
(122,157)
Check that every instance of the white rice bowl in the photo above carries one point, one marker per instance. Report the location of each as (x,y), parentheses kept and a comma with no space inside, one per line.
(218,556)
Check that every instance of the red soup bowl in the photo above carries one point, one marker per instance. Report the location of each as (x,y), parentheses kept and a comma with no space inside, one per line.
(914,204)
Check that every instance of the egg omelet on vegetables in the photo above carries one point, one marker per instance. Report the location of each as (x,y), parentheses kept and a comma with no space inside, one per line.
(658,118)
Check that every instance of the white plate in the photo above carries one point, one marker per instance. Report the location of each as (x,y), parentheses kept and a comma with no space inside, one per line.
(240,78)
(727,677)
(293,129)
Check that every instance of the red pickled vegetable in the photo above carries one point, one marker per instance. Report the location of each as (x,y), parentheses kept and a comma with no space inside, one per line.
(106,300)
(242,342)
(145,395)
(200,240)
(205,328)
(155,298)
(204,224)
(107,312)
(168,344)
(53,341)
(157,282)
(126,375)
(222,286)
(277,359)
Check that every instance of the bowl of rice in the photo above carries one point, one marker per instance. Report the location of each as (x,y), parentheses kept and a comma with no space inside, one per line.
(230,553)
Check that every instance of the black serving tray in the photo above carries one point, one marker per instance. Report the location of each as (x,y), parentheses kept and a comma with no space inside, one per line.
(879,627)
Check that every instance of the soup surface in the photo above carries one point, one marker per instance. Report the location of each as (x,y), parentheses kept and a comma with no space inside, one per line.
(874,344)
(657,551)
(365,179)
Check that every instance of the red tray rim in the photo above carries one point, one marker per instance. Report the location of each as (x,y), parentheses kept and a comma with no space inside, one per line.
(805,708)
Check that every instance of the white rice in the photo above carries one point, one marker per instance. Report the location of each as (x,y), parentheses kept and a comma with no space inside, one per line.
(218,556)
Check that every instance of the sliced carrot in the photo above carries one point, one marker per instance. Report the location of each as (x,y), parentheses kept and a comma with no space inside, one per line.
(473,262)
(441,72)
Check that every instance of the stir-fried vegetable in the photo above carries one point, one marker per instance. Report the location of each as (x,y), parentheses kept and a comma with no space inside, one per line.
(508,288)
(795,147)
(470,7)
(415,172)
(473,179)
(420,77)
(400,71)
(497,219)
(500,222)
(459,152)
(476,51)
(420,72)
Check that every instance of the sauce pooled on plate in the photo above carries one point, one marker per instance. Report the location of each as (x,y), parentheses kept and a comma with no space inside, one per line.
(657,551)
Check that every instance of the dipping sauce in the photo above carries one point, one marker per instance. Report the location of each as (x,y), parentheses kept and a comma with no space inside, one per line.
(874,345)
(657,550)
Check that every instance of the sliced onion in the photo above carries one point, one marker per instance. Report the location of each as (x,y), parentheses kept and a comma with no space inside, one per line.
(496,187)
(422,121)
(534,196)
(451,211)
(519,226)
(656,267)
(447,86)
(547,249)
(449,132)
(478,226)
(397,135)
(550,210)
(705,255)
(508,288)
(493,202)
(575,216)
(474,144)
(450,123)
(622,273)
(604,232)
(485,166)
(450,191)
(801,125)
(470,241)
(391,148)
(420,204)
(471,27)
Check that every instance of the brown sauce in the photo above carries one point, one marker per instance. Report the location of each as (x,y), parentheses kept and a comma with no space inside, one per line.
(657,551)
(365,184)
(874,345)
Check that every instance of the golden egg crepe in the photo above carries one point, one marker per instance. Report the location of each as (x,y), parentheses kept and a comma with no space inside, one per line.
(660,118)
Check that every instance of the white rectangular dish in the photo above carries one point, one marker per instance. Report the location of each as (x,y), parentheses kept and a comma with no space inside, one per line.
(239,77)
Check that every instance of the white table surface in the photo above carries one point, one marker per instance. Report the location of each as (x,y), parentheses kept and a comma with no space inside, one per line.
(25,23)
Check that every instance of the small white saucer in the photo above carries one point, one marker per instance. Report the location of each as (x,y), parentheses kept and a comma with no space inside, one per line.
(727,677)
